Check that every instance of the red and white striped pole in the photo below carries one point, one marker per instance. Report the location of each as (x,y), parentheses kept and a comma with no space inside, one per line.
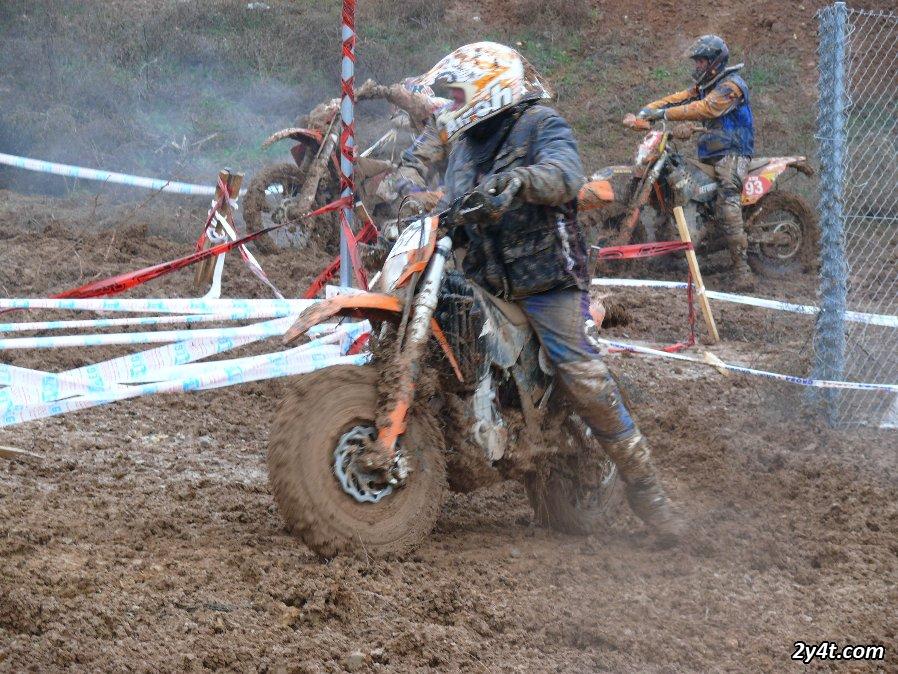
(347,139)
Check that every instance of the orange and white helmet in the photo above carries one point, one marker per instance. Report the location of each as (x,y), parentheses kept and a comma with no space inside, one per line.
(493,78)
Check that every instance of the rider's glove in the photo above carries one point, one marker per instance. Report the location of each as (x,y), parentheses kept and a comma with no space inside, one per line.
(370,89)
(500,190)
(651,114)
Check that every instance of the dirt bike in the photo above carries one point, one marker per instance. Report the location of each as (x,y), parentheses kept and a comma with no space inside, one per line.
(781,227)
(282,193)
(359,458)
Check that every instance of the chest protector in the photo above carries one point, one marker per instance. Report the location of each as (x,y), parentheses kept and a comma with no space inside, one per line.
(533,248)
(734,132)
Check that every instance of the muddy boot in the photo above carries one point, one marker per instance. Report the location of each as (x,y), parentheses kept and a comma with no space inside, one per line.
(646,496)
(650,503)
(743,278)
(599,403)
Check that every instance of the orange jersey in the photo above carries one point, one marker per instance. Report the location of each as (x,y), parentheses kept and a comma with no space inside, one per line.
(685,106)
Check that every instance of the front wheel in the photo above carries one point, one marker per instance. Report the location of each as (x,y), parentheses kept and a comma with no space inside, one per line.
(267,203)
(786,231)
(323,499)
(575,493)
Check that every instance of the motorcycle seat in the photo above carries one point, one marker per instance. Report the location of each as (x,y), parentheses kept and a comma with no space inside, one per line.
(512,312)
(708,169)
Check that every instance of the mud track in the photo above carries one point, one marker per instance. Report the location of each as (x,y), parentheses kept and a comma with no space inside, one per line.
(147,539)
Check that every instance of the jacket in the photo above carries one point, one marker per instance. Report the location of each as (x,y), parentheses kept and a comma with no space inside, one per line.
(724,108)
(537,246)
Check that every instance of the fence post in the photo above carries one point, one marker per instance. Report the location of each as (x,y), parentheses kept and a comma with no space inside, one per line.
(832,139)
(347,137)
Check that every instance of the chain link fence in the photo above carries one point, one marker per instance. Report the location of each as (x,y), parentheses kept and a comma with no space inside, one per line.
(857,131)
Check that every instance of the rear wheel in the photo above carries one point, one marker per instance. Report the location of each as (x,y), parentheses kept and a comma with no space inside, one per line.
(575,493)
(323,499)
(793,223)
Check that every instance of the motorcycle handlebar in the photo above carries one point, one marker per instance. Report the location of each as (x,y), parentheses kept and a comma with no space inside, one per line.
(679,130)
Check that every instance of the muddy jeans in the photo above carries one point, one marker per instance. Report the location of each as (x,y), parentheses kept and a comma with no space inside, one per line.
(558,318)
(731,171)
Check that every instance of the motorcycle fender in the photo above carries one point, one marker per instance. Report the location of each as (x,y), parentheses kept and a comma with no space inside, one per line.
(610,185)
(760,181)
(595,194)
(295,133)
(502,339)
(377,306)
(365,305)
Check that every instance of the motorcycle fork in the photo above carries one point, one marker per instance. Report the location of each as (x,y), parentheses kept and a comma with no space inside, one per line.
(405,363)
(640,200)
(318,166)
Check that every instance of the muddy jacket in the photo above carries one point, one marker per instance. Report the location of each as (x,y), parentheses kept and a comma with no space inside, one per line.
(537,246)
(724,108)
(422,161)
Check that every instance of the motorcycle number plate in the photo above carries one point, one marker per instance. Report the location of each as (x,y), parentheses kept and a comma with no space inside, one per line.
(756,186)
(410,253)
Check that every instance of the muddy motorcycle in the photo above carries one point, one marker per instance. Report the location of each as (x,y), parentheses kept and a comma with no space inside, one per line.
(635,203)
(283,193)
(360,458)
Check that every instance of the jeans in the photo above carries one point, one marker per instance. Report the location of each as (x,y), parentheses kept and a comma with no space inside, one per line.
(558,318)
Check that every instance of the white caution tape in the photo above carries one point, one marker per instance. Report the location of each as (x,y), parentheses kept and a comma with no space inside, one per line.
(100,323)
(240,308)
(214,377)
(46,386)
(810,310)
(105,176)
(31,386)
(271,328)
(247,257)
(33,394)
(803,381)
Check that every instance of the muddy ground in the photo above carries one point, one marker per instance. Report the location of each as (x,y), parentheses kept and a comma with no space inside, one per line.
(146,538)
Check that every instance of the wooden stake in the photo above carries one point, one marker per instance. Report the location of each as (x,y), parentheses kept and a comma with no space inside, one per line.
(205,269)
(13,453)
(696,276)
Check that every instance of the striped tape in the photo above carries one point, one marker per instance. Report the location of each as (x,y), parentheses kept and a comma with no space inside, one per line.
(83,173)
(36,385)
(810,310)
(271,328)
(289,365)
(31,394)
(803,381)
(100,323)
(242,308)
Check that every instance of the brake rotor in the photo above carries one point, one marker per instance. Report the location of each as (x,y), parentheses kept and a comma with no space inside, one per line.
(782,228)
(363,487)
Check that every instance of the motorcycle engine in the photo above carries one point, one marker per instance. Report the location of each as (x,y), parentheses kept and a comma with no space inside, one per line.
(462,320)
(689,183)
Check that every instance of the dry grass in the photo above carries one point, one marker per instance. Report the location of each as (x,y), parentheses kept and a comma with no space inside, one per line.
(179,88)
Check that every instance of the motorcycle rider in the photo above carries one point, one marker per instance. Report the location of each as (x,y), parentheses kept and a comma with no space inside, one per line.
(522,156)
(719,98)
(421,165)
